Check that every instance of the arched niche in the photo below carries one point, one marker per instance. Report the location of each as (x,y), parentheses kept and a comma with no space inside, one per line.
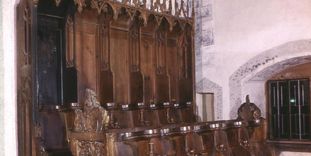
(251,77)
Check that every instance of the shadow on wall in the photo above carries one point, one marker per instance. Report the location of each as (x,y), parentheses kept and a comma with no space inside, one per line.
(263,66)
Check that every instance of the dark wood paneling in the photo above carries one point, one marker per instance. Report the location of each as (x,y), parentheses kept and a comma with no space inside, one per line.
(127,57)
(119,62)
(25,79)
(50,36)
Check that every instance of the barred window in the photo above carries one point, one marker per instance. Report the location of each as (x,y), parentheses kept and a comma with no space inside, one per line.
(289,109)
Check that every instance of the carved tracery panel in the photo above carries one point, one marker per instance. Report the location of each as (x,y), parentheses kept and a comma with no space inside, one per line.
(90,120)
(24,77)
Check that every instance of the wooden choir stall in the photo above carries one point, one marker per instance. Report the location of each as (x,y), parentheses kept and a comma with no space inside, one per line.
(116,78)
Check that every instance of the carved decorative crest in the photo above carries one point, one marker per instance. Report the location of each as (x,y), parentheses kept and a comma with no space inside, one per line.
(89,123)
(182,10)
(249,111)
(93,118)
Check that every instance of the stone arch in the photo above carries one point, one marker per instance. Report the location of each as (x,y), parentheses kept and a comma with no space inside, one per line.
(253,74)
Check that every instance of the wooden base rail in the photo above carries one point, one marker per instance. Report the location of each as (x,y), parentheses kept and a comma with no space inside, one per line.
(234,137)
(152,115)
(110,131)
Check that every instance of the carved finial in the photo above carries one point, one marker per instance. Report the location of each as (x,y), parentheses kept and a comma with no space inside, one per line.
(151,5)
(144,4)
(247,99)
(93,118)
(116,11)
(170,7)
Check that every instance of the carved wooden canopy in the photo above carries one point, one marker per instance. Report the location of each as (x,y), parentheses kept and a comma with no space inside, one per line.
(173,11)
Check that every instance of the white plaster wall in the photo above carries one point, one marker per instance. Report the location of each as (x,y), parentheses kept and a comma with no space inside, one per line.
(255,90)
(294,154)
(243,29)
(251,26)
(8,142)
